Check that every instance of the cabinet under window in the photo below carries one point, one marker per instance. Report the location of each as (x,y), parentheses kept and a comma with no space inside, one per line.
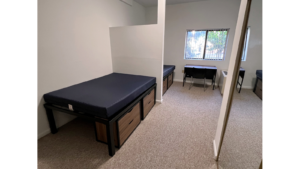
(206,44)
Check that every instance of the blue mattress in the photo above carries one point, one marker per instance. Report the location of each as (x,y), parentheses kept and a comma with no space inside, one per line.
(168,69)
(104,96)
(259,73)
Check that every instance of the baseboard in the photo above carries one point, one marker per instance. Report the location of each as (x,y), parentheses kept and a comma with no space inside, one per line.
(180,80)
(44,133)
(159,101)
(215,150)
(247,87)
(209,83)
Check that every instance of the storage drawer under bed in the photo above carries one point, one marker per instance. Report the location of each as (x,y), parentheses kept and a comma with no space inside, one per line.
(170,80)
(165,85)
(148,103)
(122,127)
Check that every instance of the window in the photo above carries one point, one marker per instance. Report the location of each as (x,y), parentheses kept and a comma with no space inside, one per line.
(206,44)
(245,50)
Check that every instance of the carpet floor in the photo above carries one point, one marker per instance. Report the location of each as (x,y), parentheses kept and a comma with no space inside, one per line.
(176,134)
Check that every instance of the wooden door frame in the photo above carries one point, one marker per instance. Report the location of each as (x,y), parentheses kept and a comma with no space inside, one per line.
(232,76)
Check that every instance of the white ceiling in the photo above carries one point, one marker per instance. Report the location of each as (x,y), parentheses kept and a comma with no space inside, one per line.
(148,3)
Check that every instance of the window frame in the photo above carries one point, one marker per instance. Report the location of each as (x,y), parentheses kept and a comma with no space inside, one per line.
(204,51)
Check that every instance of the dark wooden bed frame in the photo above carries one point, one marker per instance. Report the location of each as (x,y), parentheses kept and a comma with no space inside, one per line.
(108,122)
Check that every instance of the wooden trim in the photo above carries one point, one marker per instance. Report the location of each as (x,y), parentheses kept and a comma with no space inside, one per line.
(165,85)
(204,50)
(235,75)
(261,164)
(148,103)
(122,127)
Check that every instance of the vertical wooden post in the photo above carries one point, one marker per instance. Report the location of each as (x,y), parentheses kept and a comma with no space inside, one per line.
(233,72)
(261,164)
(161,20)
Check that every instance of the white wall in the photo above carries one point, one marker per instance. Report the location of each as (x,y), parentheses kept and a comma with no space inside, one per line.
(139,49)
(210,14)
(74,44)
(151,15)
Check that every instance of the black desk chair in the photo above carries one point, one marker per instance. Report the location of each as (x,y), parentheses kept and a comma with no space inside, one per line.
(198,74)
(210,74)
(188,72)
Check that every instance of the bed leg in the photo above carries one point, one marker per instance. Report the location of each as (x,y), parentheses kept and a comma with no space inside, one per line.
(51,120)
(110,138)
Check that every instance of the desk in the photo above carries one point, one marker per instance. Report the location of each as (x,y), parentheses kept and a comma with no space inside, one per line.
(241,75)
(210,72)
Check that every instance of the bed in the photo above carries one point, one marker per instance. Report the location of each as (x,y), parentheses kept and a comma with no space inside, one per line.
(258,84)
(109,101)
(259,74)
(168,69)
(167,77)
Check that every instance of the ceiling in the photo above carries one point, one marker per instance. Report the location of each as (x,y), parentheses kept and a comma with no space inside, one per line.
(148,3)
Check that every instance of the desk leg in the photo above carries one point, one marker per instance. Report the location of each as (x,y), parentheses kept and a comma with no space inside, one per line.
(215,79)
(51,120)
(183,80)
(214,82)
(237,83)
(110,138)
(241,85)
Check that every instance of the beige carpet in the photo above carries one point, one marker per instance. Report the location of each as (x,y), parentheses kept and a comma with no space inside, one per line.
(242,146)
(175,134)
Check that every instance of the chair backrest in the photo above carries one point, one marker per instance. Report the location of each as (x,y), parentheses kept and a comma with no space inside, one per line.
(198,73)
(210,73)
(188,72)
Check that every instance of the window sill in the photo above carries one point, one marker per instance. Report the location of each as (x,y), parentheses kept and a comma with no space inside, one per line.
(205,59)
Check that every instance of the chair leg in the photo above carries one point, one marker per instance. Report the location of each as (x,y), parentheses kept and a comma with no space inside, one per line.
(191,83)
(204,84)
